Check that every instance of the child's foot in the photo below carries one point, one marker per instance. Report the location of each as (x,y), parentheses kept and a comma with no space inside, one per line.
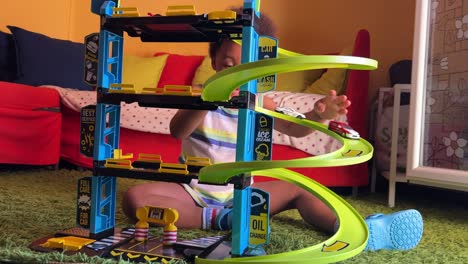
(397,231)
(223,220)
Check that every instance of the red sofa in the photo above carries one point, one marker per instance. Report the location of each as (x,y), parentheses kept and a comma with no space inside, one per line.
(54,135)
(30,125)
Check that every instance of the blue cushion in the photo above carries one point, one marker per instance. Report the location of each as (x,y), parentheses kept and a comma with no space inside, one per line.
(7,57)
(48,61)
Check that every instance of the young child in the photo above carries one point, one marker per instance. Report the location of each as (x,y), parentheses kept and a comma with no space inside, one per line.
(208,206)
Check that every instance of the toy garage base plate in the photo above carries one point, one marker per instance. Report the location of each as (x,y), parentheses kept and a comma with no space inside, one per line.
(121,245)
(151,250)
(99,247)
(204,247)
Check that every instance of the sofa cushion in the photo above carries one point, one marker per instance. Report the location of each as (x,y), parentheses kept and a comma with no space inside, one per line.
(7,57)
(179,69)
(297,81)
(48,61)
(332,79)
(203,72)
(142,72)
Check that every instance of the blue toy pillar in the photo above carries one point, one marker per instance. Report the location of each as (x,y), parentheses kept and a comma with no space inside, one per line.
(97,4)
(245,143)
(107,133)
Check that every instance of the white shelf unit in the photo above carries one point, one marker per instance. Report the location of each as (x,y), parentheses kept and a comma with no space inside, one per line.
(393,176)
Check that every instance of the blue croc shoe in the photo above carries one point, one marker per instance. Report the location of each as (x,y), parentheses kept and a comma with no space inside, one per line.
(397,231)
(223,220)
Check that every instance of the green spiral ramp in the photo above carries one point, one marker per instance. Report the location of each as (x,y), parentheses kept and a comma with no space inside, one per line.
(352,235)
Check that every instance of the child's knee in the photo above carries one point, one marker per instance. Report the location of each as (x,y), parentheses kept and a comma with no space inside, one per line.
(130,202)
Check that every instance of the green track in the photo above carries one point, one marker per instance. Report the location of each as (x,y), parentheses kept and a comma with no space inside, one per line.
(352,235)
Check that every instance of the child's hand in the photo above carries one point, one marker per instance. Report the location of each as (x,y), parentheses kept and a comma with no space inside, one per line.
(235,92)
(331,106)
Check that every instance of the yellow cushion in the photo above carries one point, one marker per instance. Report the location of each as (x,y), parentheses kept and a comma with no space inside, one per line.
(203,72)
(142,71)
(292,82)
(332,79)
(296,81)
(312,81)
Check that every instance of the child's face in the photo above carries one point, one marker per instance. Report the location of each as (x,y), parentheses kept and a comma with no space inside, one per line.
(228,55)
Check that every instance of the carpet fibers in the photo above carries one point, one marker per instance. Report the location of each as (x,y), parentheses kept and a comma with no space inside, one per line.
(38,202)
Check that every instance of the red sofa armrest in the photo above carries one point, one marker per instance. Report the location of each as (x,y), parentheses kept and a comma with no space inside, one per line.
(357,86)
(31,123)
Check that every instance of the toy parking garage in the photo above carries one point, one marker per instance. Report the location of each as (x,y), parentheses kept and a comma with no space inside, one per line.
(96,233)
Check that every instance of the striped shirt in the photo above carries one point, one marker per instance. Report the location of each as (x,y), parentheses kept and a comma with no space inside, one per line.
(214,138)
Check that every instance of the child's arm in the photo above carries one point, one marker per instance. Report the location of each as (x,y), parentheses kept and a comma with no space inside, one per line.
(327,108)
(185,122)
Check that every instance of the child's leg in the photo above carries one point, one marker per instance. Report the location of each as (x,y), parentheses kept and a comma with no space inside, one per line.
(397,231)
(163,194)
(285,196)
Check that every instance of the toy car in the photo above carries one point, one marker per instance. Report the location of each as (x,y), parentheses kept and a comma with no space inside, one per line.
(290,112)
(343,129)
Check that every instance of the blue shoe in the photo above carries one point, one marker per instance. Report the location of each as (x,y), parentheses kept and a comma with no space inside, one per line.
(223,220)
(397,231)
(256,250)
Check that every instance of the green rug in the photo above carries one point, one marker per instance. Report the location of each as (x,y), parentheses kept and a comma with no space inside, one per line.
(39,202)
